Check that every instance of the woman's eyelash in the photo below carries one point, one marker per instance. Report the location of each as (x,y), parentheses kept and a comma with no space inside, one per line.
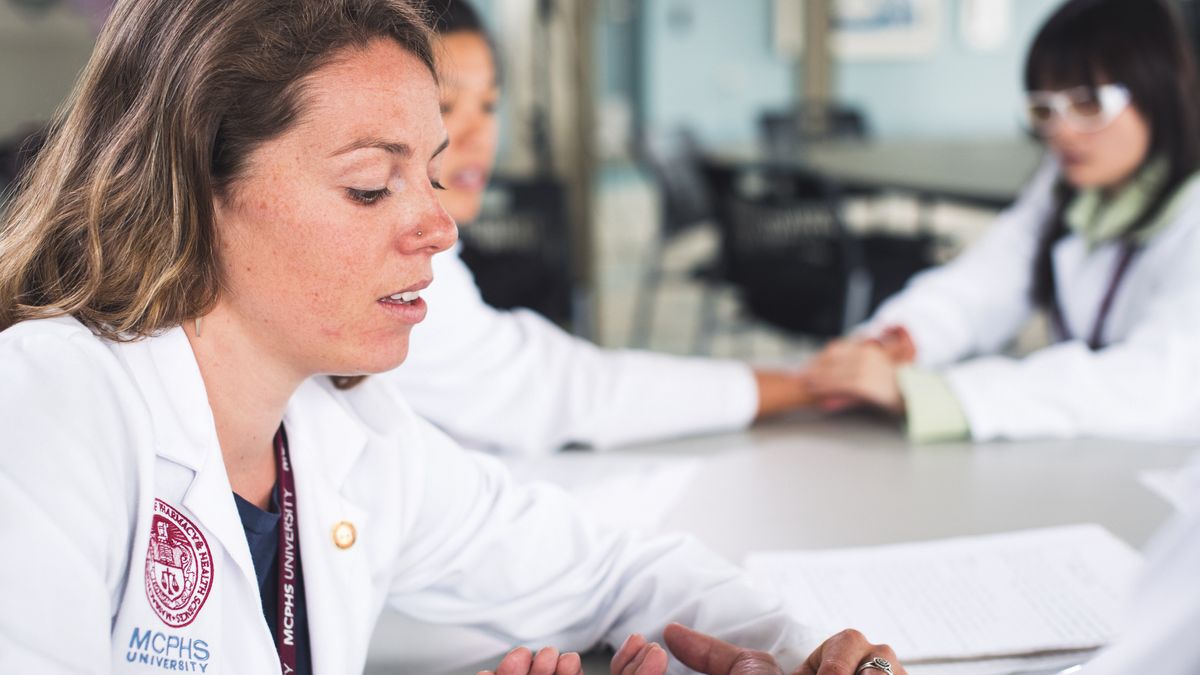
(368,197)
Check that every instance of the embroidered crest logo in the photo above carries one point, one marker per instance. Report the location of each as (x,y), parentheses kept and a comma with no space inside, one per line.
(179,566)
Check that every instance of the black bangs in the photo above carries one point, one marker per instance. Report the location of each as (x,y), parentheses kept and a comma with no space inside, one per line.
(1136,43)
(1063,63)
(1089,42)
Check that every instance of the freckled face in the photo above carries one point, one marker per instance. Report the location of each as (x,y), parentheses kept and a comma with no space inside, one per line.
(339,214)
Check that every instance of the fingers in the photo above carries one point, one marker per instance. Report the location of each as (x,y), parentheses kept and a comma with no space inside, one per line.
(898,344)
(521,661)
(569,664)
(707,654)
(698,651)
(888,653)
(545,662)
(843,653)
(638,657)
(861,373)
(650,660)
(516,662)
(836,404)
(626,654)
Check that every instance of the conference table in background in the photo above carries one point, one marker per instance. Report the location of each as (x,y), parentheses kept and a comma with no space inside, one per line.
(988,173)
(814,482)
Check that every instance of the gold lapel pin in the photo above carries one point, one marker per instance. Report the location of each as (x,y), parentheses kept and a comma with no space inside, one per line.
(344,534)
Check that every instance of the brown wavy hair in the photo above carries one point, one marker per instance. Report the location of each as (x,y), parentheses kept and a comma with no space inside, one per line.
(113,222)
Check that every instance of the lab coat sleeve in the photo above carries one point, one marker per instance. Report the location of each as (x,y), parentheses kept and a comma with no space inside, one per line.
(977,303)
(65,520)
(1159,628)
(1143,387)
(522,563)
(514,382)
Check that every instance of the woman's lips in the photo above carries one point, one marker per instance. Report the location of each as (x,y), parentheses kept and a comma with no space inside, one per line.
(1071,158)
(411,312)
(407,304)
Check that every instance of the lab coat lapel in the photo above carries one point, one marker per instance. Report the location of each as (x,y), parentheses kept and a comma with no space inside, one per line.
(325,442)
(166,369)
(1083,277)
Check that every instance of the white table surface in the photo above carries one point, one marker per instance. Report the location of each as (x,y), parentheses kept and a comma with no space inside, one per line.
(811,482)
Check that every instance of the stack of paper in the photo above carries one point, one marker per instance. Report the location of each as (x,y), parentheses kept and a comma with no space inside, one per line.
(1180,487)
(1022,593)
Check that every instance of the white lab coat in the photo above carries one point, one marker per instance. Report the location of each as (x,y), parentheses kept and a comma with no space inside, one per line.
(1159,628)
(512,381)
(95,432)
(1142,385)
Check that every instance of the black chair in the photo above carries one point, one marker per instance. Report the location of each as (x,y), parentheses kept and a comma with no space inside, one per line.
(787,131)
(784,246)
(794,262)
(519,247)
(673,161)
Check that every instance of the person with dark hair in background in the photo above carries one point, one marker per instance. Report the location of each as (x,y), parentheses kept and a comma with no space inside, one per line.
(1105,239)
(512,381)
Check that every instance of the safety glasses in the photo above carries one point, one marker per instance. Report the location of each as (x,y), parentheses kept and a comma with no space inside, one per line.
(1086,109)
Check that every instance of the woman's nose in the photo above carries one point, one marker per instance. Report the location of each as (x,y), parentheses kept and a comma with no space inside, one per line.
(435,230)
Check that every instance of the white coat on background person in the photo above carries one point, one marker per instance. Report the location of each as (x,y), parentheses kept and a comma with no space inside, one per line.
(1141,386)
(511,380)
(97,432)
(1103,239)
(1158,632)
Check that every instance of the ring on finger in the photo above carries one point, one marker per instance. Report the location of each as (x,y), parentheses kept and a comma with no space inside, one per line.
(876,663)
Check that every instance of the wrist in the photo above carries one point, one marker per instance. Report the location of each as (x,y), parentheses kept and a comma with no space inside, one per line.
(780,392)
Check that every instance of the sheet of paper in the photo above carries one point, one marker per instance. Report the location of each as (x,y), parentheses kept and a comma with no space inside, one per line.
(997,595)
(1043,664)
(1180,487)
(619,489)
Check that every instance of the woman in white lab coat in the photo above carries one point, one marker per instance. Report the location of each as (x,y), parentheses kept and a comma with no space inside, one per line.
(238,200)
(514,382)
(1105,239)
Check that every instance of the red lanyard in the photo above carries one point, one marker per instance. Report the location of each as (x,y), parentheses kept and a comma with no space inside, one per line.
(291,582)
(1097,339)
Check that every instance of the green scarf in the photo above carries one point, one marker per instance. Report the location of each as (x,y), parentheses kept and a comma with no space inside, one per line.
(1100,218)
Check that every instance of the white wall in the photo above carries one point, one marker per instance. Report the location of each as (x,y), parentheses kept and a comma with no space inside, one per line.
(40,56)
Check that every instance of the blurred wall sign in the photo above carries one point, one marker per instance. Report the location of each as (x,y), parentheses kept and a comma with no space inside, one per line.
(869,30)
(985,25)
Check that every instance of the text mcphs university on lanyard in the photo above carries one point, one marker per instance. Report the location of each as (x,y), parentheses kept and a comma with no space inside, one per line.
(1128,250)
(291,581)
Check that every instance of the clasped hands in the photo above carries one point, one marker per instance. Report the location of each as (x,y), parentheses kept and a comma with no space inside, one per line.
(854,371)
(839,655)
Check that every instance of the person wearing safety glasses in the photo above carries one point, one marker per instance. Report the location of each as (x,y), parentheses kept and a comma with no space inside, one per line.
(1105,240)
